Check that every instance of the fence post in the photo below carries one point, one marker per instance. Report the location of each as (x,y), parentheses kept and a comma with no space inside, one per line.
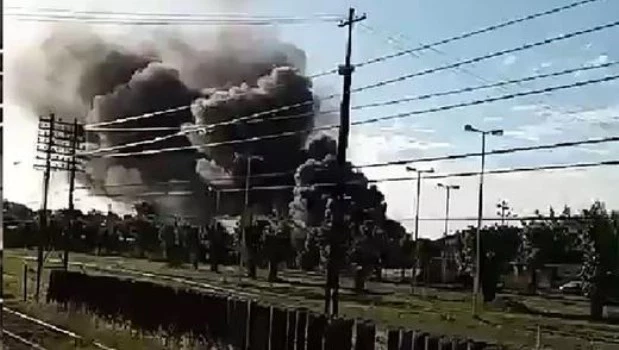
(25,282)
(393,339)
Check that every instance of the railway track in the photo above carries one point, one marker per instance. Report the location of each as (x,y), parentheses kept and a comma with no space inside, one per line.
(22,331)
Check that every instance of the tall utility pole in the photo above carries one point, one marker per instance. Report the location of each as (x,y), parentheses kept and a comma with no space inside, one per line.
(345,70)
(417,206)
(48,141)
(58,141)
(76,140)
(448,189)
(480,209)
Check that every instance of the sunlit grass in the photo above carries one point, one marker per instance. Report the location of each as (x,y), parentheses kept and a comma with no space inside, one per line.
(437,312)
(78,323)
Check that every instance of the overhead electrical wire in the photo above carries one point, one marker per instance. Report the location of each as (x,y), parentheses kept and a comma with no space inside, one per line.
(487,86)
(160,14)
(584,165)
(493,152)
(165,20)
(489,100)
(137,129)
(392,163)
(368,121)
(381,83)
(249,119)
(393,41)
(462,36)
(488,56)
(358,107)
(476,32)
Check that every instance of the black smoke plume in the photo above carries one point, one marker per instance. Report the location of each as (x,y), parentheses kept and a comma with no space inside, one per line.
(242,71)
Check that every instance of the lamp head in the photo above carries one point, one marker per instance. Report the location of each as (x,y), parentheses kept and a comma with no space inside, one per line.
(409,168)
(497,132)
(469,127)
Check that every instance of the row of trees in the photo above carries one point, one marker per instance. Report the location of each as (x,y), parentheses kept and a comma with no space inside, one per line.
(589,238)
(369,242)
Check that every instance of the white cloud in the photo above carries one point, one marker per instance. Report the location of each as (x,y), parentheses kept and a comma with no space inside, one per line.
(492,119)
(509,60)
(546,65)
(522,190)
(525,108)
(597,150)
(555,122)
(601,59)
(426,145)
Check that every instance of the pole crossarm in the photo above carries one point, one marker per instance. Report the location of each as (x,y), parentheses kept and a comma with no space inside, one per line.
(57,145)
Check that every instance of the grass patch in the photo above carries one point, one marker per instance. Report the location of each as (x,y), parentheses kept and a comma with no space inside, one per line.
(513,321)
(78,323)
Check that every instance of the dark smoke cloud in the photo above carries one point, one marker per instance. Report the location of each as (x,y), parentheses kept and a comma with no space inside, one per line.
(243,72)
(309,203)
(282,87)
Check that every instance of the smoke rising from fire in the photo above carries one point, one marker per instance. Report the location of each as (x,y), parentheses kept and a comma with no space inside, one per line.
(240,71)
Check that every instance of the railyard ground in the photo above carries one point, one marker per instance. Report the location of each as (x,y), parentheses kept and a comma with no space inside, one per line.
(80,324)
(514,320)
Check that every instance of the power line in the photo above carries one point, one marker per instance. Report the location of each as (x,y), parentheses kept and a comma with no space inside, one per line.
(50,17)
(369,121)
(178,15)
(96,128)
(498,151)
(228,122)
(391,40)
(432,46)
(487,86)
(516,218)
(381,83)
(488,56)
(477,32)
(191,129)
(489,100)
(138,117)
(426,177)
(398,162)
(141,129)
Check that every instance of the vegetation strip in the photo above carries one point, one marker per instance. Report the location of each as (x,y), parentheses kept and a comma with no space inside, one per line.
(22,340)
(52,327)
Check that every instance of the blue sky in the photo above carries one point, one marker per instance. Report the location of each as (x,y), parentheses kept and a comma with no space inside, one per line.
(527,121)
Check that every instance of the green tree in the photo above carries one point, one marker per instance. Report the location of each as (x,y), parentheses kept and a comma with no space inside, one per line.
(547,240)
(499,246)
(599,239)
(277,244)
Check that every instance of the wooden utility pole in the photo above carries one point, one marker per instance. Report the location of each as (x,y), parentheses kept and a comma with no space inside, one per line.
(333,266)
(75,139)
(58,141)
(48,140)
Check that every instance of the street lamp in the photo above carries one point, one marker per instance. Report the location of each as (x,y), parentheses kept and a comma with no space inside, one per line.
(419,175)
(495,132)
(448,189)
(217,192)
(246,215)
